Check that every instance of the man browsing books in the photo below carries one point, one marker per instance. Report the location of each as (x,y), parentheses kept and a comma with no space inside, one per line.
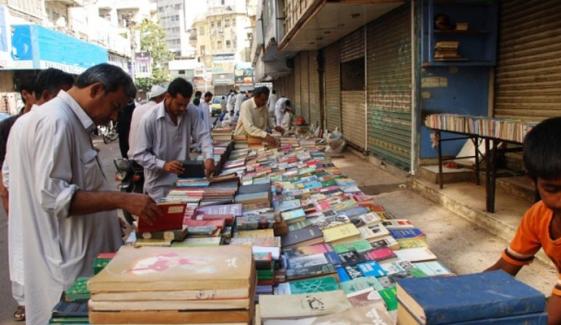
(540,226)
(165,138)
(254,117)
(57,184)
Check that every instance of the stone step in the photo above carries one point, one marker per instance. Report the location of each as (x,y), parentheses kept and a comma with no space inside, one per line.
(519,186)
(461,203)
(450,175)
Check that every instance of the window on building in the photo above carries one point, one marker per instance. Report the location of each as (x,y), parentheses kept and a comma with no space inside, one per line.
(202,50)
(177,6)
(218,45)
(228,44)
(181,72)
(201,31)
(352,75)
(226,23)
(219,24)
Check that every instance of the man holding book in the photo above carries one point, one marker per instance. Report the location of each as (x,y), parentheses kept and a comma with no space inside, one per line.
(57,183)
(165,138)
(254,117)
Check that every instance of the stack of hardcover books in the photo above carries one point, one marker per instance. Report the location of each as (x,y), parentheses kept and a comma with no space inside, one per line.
(157,285)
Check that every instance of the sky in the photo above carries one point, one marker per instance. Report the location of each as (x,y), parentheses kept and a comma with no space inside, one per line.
(193,8)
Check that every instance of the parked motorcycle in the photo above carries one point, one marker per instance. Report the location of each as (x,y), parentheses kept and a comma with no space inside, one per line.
(131,178)
(108,132)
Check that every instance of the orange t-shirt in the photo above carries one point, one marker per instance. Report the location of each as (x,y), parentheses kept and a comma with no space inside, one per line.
(531,235)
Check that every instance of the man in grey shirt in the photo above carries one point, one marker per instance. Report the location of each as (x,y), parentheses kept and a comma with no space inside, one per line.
(165,136)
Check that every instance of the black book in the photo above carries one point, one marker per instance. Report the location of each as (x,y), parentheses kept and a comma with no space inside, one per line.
(351,258)
(71,309)
(193,169)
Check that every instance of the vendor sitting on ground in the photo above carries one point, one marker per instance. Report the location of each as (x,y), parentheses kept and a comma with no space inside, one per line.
(541,224)
(254,118)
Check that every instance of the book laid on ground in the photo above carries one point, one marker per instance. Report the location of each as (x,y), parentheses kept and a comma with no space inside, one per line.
(302,237)
(419,254)
(304,305)
(176,269)
(171,218)
(340,233)
(454,299)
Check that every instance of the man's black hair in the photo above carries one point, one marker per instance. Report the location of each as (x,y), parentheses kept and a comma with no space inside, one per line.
(542,153)
(51,80)
(24,80)
(274,91)
(288,103)
(110,76)
(261,90)
(208,93)
(180,86)
(198,93)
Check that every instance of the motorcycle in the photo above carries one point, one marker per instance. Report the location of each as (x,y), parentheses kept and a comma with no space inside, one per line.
(108,132)
(131,178)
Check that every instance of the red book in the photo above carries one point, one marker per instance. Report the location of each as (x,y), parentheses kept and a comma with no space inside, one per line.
(379,254)
(171,218)
(107,256)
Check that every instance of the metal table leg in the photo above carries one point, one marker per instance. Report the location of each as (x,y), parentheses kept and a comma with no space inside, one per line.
(440,177)
(477,167)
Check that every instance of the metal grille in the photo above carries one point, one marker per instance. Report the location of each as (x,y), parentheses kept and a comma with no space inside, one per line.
(354,128)
(528,74)
(315,114)
(389,86)
(352,46)
(332,87)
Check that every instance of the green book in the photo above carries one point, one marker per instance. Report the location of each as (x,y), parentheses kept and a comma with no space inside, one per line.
(321,284)
(100,264)
(362,283)
(69,321)
(390,297)
(329,183)
(78,290)
(299,225)
(360,246)
(265,274)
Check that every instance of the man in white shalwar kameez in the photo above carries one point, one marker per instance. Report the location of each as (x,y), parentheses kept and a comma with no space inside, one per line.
(57,184)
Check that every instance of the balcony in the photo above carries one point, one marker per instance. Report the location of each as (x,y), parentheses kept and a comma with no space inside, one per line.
(69,3)
(314,24)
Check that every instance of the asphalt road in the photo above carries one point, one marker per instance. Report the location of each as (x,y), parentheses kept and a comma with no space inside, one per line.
(7,304)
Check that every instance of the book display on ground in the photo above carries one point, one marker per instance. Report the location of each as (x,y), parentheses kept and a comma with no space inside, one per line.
(281,227)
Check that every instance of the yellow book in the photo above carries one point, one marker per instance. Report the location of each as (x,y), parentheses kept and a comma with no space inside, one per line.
(341,232)
(259,233)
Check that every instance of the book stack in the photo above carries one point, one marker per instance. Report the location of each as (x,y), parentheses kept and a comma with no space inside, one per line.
(484,298)
(446,50)
(158,285)
(221,135)
(505,129)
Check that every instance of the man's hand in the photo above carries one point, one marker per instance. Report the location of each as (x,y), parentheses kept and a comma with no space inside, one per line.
(209,167)
(142,206)
(174,167)
(271,141)
(279,129)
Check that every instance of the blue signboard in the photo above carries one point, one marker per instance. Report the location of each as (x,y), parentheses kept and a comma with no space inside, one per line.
(45,47)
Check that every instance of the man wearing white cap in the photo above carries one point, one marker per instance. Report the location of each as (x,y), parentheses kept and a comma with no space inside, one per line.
(156,96)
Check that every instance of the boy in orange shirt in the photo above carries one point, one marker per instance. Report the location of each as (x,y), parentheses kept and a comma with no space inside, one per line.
(541,224)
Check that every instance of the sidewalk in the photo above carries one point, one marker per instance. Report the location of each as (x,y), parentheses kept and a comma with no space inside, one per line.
(459,244)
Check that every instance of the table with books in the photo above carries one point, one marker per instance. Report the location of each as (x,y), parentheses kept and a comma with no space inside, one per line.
(498,135)
(281,236)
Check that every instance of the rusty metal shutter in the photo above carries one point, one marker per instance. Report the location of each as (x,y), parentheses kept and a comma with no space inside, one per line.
(304,86)
(297,84)
(353,106)
(315,114)
(389,86)
(332,87)
(528,74)
(352,46)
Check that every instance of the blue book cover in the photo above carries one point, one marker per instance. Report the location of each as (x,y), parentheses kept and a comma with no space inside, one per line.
(529,319)
(343,276)
(469,297)
(406,233)
(372,268)
(333,258)
(354,212)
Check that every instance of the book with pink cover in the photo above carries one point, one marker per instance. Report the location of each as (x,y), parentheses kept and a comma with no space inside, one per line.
(175,269)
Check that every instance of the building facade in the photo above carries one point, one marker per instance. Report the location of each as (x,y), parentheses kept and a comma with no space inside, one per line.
(171,14)
(371,69)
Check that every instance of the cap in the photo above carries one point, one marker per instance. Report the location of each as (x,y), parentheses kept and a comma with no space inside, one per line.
(156,91)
